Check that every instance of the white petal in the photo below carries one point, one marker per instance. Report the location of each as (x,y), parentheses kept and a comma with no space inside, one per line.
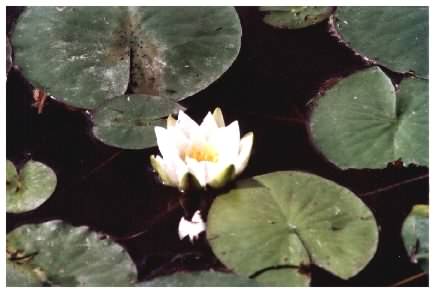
(220,175)
(218,117)
(192,228)
(198,169)
(167,175)
(245,152)
(226,141)
(186,124)
(165,142)
(171,122)
(208,124)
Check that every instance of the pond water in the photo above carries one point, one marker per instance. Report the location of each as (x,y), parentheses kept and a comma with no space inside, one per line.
(268,90)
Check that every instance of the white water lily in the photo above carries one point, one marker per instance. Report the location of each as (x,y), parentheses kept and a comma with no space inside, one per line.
(192,228)
(209,154)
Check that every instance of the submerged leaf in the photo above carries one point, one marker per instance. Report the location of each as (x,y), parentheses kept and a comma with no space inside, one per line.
(85,55)
(362,122)
(415,234)
(396,37)
(70,256)
(291,219)
(30,188)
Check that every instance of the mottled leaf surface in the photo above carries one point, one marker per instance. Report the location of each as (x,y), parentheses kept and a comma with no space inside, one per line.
(362,122)
(291,219)
(85,55)
(295,17)
(415,234)
(396,37)
(200,279)
(21,275)
(128,121)
(29,188)
(72,256)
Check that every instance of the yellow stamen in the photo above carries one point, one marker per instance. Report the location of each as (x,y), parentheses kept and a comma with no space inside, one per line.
(203,152)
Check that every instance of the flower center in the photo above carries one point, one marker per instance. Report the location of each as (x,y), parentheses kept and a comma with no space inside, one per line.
(203,152)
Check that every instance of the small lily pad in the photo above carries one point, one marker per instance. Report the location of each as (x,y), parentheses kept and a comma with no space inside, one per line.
(363,122)
(84,56)
(200,279)
(291,219)
(415,234)
(30,188)
(396,37)
(70,256)
(128,121)
(295,17)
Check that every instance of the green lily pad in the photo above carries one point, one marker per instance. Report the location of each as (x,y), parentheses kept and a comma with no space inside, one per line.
(396,37)
(200,279)
(362,122)
(30,188)
(291,219)
(85,55)
(295,17)
(21,275)
(128,121)
(8,56)
(71,256)
(415,234)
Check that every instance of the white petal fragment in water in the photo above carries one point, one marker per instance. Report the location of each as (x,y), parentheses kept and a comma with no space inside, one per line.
(192,228)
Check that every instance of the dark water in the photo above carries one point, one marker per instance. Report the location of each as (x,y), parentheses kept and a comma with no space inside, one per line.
(267,89)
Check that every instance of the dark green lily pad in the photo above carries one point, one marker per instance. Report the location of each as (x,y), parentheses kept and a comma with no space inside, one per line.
(30,188)
(396,37)
(362,122)
(21,275)
(128,121)
(85,55)
(415,234)
(71,256)
(295,17)
(291,219)
(200,279)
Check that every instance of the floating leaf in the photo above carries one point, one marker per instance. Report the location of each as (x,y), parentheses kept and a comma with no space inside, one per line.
(85,55)
(72,256)
(362,122)
(415,234)
(396,37)
(291,219)
(21,275)
(30,188)
(200,279)
(295,17)
(128,121)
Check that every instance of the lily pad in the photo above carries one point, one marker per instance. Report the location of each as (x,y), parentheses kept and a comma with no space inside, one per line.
(71,256)
(200,279)
(396,37)
(291,219)
(295,17)
(128,121)
(30,188)
(415,234)
(85,55)
(21,275)
(8,56)
(362,122)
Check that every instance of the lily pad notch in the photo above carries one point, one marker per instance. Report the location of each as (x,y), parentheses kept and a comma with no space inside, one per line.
(275,225)
(92,54)
(364,122)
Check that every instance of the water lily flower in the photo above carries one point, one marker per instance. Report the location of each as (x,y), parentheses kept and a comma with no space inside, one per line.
(192,228)
(209,154)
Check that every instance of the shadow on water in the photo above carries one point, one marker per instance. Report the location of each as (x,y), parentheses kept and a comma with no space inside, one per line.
(267,89)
